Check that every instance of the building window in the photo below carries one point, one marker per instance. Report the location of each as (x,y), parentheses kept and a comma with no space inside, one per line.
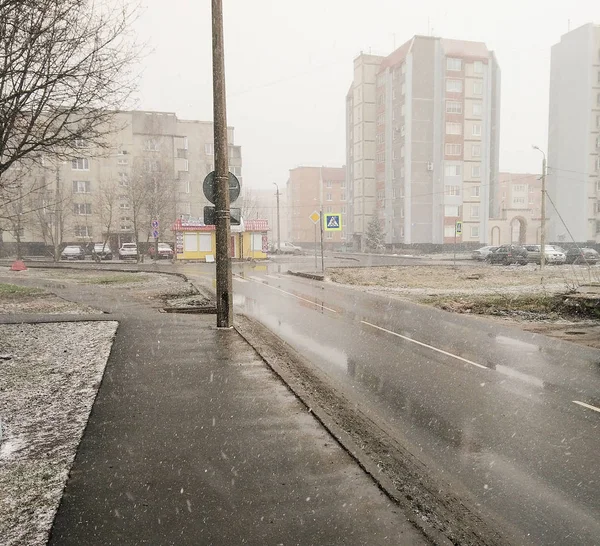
(453,128)
(518,200)
(476,150)
(478,67)
(80,143)
(187,186)
(123,180)
(329,235)
(454,86)
(343,196)
(380,119)
(124,205)
(122,161)
(343,183)
(451,211)
(402,212)
(81,186)
(454,64)
(475,191)
(402,151)
(474,211)
(80,164)
(82,231)
(328,197)
(82,209)
(393,193)
(401,172)
(403,89)
(477,88)
(452,170)
(519,187)
(598,121)
(476,171)
(597,164)
(209,149)
(151,145)
(329,208)
(452,190)
(474,231)
(453,107)
(343,209)
(477,109)
(380,79)
(151,166)
(328,184)
(453,149)
(449,230)
(477,129)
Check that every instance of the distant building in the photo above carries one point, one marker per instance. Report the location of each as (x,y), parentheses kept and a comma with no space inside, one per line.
(152,152)
(423,141)
(520,198)
(574,137)
(262,203)
(308,190)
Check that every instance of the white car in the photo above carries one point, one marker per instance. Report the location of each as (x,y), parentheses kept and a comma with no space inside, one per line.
(128,251)
(482,253)
(288,248)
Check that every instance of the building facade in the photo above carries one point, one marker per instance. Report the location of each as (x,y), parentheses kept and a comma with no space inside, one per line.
(520,200)
(152,170)
(574,137)
(435,155)
(311,189)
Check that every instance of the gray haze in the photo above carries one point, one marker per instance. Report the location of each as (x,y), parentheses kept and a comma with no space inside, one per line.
(289,66)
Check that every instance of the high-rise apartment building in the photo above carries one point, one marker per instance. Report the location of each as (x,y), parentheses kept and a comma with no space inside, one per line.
(423,141)
(574,137)
(311,189)
(152,169)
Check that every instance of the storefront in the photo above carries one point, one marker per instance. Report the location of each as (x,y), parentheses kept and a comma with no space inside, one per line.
(196,241)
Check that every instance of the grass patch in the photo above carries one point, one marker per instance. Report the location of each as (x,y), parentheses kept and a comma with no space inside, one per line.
(532,306)
(15,292)
(117,279)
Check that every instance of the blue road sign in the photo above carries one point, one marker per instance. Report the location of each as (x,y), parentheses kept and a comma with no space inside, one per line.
(333,222)
(155,234)
(155,224)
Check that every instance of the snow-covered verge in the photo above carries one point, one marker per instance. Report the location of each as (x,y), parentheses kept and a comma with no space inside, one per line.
(49,377)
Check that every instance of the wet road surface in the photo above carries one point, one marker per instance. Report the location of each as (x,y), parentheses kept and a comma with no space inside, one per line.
(508,418)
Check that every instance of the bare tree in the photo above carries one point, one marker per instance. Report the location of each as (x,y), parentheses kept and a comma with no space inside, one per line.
(65,68)
(107,204)
(250,205)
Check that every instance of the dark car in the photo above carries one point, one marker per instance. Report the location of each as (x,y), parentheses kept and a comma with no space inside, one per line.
(102,251)
(72,252)
(582,256)
(508,254)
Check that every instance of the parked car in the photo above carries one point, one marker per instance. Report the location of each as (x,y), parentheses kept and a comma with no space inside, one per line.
(553,254)
(483,252)
(72,252)
(582,256)
(288,248)
(164,251)
(508,254)
(102,251)
(128,251)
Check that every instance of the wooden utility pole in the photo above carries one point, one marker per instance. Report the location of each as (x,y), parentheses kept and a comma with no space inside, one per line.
(222,212)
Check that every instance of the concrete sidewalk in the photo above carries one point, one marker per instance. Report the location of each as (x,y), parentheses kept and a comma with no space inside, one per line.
(193,440)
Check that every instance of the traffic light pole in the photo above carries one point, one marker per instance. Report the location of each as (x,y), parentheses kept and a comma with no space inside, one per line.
(222,212)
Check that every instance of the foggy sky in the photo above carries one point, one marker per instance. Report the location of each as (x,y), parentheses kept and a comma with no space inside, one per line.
(289,67)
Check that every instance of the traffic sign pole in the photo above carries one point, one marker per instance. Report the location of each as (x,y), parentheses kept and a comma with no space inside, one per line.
(322,256)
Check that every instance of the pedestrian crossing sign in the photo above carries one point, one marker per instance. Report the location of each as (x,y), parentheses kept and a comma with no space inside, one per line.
(333,222)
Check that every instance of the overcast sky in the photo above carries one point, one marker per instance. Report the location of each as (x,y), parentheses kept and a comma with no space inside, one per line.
(289,66)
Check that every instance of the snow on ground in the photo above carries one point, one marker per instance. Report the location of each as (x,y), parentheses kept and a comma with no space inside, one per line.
(50,374)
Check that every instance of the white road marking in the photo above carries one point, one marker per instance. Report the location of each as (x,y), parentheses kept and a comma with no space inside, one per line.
(257,279)
(588,406)
(425,345)
(316,304)
(241,279)
(273,276)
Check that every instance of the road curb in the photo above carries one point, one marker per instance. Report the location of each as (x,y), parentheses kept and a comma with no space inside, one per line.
(312,276)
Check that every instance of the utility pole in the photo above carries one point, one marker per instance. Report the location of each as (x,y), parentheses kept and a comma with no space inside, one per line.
(322,256)
(543,219)
(278,220)
(222,212)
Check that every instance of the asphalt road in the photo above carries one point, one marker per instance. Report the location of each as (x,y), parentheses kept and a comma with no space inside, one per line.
(510,419)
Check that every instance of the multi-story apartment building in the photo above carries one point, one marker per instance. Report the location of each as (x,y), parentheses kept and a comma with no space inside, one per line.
(574,137)
(311,189)
(152,169)
(435,125)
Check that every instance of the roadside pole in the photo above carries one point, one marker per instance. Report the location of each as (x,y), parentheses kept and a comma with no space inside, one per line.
(455,246)
(322,256)
(222,212)
(278,220)
(316,261)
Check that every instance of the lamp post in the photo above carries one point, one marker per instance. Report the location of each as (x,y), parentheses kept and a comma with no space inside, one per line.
(543,219)
(278,221)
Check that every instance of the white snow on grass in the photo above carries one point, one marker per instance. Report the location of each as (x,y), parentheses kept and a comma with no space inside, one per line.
(47,388)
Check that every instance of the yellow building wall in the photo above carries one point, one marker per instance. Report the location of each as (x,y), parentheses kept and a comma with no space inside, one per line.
(251,248)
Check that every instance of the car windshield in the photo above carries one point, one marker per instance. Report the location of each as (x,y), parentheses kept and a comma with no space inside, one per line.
(343,288)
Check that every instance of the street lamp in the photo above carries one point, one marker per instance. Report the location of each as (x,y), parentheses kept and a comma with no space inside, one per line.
(278,222)
(543,219)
